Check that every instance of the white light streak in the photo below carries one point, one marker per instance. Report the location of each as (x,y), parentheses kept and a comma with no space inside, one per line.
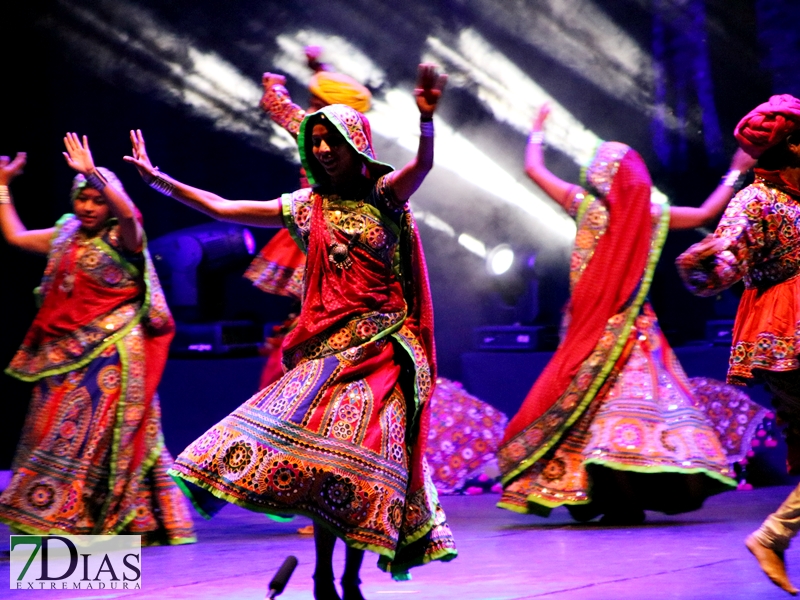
(513,97)
(475,246)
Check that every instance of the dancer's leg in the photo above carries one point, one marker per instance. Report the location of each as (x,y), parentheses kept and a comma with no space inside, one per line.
(324,542)
(350,579)
(770,541)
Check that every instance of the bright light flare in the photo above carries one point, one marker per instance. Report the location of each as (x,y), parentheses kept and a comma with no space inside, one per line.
(500,259)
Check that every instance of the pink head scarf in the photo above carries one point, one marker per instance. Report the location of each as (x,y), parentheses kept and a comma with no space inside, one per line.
(768,124)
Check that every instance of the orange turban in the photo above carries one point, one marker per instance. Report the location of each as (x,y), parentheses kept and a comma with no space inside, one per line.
(768,124)
(336,88)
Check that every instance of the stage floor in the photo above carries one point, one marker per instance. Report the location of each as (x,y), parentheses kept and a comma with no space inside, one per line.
(502,556)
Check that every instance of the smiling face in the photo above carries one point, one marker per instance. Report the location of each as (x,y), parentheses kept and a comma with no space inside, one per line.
(91,208)
(338,158)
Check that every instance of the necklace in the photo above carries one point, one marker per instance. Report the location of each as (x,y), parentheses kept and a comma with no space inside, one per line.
(352,225)
(74,253)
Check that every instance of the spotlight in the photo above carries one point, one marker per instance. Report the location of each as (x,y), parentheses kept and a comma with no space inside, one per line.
(500,259)
(179,255)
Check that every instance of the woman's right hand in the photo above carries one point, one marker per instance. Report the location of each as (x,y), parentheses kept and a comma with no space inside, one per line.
(270,79)
(11,168)
(140,159)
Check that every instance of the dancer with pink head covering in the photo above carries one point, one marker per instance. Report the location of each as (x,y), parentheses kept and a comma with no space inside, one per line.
(758,241)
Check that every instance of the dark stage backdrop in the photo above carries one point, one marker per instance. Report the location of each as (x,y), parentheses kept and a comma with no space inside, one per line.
(670,78)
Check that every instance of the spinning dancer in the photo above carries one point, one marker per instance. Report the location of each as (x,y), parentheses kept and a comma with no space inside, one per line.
(340,437)
(92,458)
(611,426)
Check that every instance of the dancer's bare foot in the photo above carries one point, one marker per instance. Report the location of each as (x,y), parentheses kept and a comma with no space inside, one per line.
(771,562)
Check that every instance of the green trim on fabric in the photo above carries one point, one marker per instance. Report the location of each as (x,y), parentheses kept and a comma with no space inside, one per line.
(112,339)
(281,519)
(656,246)
(147,463)
(654,469)
(289,222)
(301,143)
(101,244)
(399,572)
(536,509)
(587,201)
(261,509)
(188,493)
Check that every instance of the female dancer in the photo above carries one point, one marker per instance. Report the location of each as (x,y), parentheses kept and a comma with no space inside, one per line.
(758,240)
(92,458)
(278,268)
(611,426)
(340,437)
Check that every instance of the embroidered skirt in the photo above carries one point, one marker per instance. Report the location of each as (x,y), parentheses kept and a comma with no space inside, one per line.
(92,458)
(329,440)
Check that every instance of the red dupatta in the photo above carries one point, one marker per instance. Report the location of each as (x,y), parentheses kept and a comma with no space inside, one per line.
(614,277)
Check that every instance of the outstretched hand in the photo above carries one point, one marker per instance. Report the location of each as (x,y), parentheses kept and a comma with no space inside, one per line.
(429,88)
(78,155)
(140,159)
(11,168)
(270,79)
(540,118)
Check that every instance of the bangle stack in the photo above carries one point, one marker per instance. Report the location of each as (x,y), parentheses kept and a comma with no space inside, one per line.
(5,195)
(161,185)
(96,180)
(733,179)
(426,127)
(536,137)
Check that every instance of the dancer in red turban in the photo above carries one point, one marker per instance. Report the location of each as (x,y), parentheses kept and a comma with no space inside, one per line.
(758,240)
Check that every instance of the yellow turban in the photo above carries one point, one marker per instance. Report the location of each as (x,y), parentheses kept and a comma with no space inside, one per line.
(335,88)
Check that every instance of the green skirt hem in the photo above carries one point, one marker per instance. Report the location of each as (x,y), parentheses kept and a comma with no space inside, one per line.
(337,531)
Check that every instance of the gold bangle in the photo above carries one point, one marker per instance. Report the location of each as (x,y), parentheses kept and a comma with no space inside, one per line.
(5,195)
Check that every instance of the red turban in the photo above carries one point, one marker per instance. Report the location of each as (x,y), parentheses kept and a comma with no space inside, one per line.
(768,124)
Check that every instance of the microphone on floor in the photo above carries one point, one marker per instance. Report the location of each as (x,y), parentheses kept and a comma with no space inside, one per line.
(281,578)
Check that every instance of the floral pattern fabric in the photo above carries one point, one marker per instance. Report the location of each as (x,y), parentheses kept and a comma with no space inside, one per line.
(762,248)
(464,436)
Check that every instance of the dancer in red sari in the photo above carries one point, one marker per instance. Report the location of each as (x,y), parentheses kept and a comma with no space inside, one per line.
(92,458)
(340,437)
(611,426)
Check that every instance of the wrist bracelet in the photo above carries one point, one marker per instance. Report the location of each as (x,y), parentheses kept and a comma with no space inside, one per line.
(536,137)
(95,180)
(733,179)
(5,195)
(161,185)
(426,128)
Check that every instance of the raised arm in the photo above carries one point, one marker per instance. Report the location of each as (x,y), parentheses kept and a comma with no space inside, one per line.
(559,190)
(277,103)
(689,217)
(14,232)
(430,85)
(246,212)
(79,157)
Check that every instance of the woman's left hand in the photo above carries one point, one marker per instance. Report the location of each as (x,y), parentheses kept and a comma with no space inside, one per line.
(430,85)
(140,160)
(78,155)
